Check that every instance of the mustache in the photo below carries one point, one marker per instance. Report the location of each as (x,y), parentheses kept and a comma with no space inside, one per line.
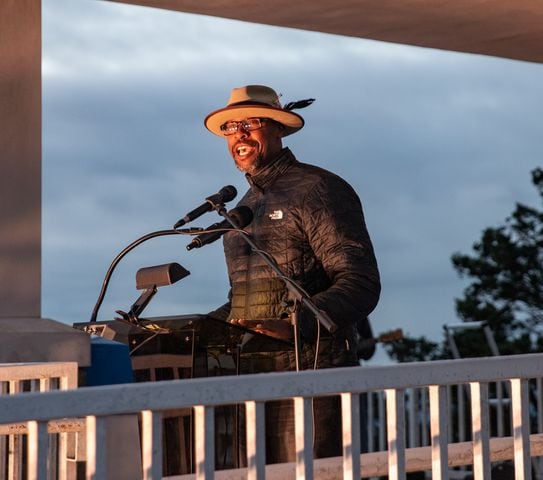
(248,141)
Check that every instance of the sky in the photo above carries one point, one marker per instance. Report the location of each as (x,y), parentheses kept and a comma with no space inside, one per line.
(438,145)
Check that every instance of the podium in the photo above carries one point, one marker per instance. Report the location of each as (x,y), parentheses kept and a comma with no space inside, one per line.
(208,332)
(194,337)
(182,347)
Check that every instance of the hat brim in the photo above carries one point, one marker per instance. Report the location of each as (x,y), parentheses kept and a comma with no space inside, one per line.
(290,120)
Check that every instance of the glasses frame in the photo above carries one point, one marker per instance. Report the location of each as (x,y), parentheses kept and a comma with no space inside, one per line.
(243,124)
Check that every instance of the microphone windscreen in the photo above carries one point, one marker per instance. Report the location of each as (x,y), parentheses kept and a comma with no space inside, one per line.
(228,193)
(242,215)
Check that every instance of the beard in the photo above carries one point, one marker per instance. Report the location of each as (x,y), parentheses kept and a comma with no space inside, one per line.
(252,167)
(252,162)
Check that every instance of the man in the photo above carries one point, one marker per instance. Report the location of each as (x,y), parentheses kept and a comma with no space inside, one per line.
(311,222)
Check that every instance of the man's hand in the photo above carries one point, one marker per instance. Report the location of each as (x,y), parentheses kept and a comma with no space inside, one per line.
(281,329)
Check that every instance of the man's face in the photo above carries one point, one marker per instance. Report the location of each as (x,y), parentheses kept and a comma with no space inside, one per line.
(254,149)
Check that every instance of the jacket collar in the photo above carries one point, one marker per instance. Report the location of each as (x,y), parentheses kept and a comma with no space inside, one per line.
(265,177)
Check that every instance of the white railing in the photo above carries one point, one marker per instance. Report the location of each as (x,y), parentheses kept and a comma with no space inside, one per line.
(418,421)
(33,377)
(150,399)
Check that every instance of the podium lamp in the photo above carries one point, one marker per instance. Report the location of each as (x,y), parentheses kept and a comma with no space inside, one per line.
(149,279)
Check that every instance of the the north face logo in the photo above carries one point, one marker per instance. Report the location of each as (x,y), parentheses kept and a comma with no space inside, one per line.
(276,215)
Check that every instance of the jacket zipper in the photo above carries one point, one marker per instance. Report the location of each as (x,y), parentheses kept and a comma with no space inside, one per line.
(256,224)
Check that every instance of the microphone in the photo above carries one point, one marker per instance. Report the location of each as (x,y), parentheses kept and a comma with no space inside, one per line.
(225,194)
(242,216)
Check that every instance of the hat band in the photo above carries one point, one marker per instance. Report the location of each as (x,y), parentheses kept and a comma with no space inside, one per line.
(252,102)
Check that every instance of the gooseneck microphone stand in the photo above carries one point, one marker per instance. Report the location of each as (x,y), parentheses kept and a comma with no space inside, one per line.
(119,257)
(218,206)
(298,296)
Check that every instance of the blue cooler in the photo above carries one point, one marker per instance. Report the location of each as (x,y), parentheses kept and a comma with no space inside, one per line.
(110,363)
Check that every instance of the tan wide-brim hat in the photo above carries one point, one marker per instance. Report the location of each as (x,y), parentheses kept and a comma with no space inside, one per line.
(253,101)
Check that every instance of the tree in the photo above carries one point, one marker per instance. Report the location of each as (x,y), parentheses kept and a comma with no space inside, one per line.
(506,289)
(411,349)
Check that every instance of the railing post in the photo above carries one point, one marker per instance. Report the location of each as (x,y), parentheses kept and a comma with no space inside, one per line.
(151,444)
(37,443)
(396,433)
(350,418)
(303,423)
(96,448)
(67,381)
(480,430)
(204,425)
(439,431)
(256,440)
(15,450)
(521,428)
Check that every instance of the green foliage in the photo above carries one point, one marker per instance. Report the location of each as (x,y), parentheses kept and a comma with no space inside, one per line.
(506,289)
(411,349)
(506,274)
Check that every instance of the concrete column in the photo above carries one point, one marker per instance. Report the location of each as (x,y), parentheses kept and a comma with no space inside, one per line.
(20,158)
(24,335)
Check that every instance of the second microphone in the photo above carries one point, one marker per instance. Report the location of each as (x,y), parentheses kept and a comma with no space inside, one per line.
(242,216)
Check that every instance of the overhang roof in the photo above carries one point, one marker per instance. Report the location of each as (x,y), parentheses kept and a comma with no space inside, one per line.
(502,28)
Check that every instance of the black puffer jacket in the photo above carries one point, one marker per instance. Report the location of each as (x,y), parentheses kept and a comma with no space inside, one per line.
(311,222)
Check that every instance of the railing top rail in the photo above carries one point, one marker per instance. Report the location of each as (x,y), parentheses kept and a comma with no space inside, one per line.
(36,370)
(128,398)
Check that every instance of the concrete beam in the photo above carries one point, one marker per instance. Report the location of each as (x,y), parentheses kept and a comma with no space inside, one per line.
(502,28)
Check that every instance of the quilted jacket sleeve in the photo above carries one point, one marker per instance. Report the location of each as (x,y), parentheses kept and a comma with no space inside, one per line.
(336,231)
